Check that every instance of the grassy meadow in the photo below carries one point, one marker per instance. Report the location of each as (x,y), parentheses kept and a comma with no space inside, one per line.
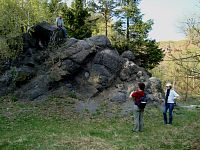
(53,125)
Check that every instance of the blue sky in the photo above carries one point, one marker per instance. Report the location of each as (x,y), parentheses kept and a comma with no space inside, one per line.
(167,15)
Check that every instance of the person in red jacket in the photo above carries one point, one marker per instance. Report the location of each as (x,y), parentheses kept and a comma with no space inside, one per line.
(138,117)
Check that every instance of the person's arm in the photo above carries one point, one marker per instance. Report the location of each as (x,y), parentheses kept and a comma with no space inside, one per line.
(176,95)
(62,23)
(130,96)
(56,22)
(133,94)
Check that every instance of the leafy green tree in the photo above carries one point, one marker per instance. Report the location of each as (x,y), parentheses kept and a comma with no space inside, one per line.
(181,68)
(11,25)
(77,18)
(56,7)
(106,9)
(131,33)
(188,59)
(128,9)
(150,54)
(191,28)
(16,17)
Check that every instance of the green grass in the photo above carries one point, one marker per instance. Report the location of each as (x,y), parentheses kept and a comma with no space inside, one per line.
(52,124)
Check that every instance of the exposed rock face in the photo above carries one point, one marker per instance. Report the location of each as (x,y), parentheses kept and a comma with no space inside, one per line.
(105,68)
(154,88)
(42,33)
(129,55)
(90,68)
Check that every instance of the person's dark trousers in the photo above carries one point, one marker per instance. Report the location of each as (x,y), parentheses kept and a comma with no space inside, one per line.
(64,32)
(169,106)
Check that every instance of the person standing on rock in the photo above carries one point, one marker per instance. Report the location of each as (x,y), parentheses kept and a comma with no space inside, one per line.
(138,112)
(170,96)
(60,25)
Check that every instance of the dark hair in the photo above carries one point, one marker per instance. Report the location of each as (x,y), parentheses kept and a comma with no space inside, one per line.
(141,86)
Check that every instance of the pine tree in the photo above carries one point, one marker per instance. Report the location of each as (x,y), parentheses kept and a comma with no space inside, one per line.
(105,8)
(55,8)
(77,21)
(132,33)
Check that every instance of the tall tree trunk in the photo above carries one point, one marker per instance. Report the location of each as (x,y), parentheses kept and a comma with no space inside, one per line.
(106,27)
(127,30)
(106,19)
(28,24)
(127,24)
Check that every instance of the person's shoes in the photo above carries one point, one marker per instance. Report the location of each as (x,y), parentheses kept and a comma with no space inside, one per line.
(135,130)
(141,130)
(168,124)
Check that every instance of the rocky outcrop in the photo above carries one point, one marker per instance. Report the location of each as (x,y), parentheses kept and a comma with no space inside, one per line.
(42,33)
(89,68)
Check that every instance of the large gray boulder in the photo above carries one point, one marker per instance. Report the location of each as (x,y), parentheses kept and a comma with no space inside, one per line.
(14,78)
(99,41)
(110,59)
(6,83)
(128,55)
(42,33)
(131,72)
(34,89)
(154,88)
(119,96)
(105,68)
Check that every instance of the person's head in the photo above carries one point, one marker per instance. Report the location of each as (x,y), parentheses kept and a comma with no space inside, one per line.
(168,85)
(141,86)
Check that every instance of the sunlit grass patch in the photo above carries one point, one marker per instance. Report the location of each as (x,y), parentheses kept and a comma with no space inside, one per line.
(53,124)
